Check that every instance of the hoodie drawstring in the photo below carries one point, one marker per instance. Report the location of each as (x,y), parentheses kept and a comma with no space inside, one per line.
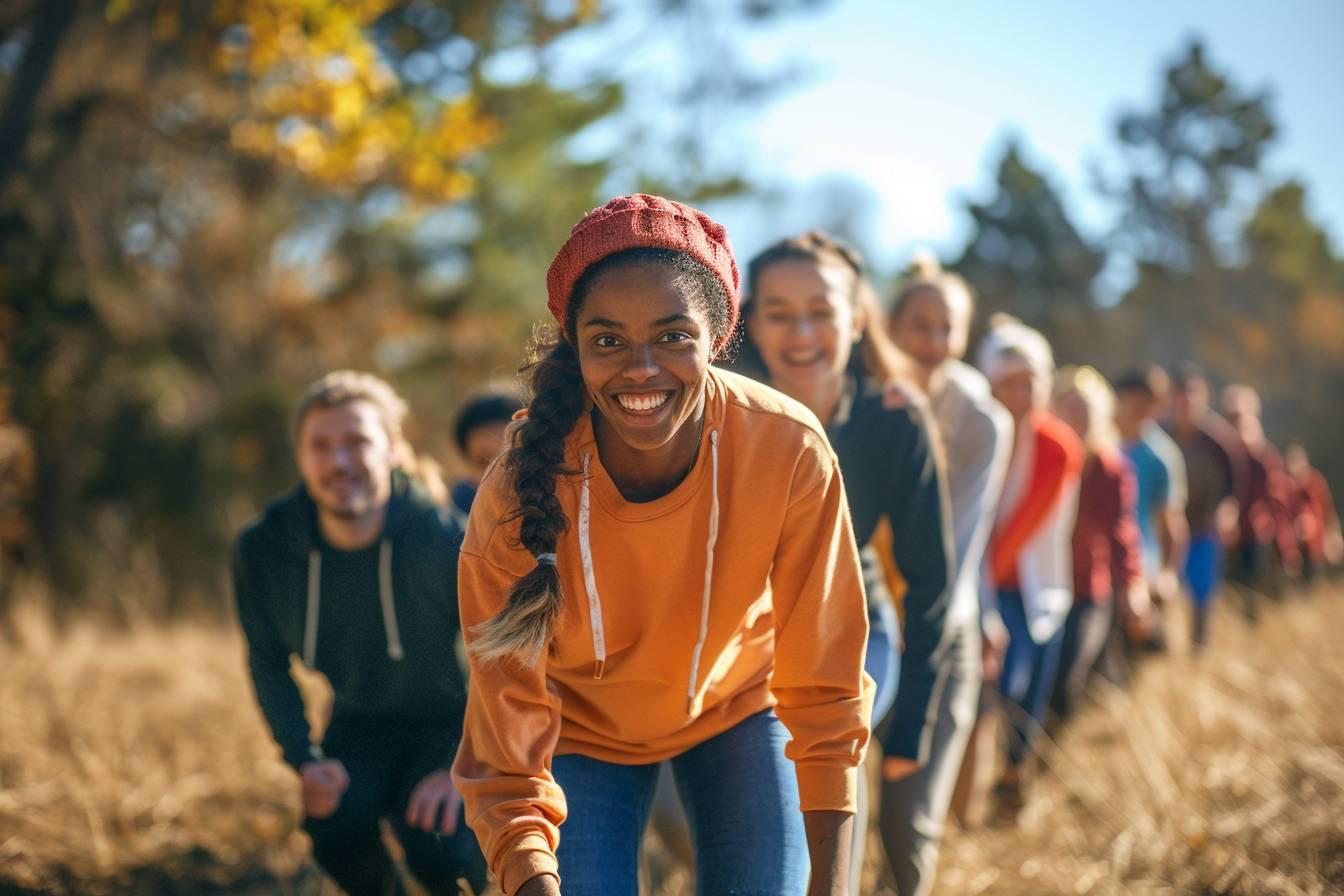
(385,600)
(314,598)
(709,573)
(390,629)
(589,578)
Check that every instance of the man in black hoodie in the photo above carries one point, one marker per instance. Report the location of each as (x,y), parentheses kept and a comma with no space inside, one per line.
(355,572)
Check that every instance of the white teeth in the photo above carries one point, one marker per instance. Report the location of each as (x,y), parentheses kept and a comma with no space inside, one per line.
(643,402)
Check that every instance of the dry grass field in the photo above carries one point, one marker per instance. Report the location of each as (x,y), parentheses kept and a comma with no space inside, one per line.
(134,761)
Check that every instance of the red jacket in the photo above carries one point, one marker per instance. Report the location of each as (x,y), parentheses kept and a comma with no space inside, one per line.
(1106,552)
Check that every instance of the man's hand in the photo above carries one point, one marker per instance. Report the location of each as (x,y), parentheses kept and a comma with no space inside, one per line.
(324,783)
(435,792)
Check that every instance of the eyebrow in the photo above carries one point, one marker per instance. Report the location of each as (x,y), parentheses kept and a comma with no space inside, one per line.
(660,322)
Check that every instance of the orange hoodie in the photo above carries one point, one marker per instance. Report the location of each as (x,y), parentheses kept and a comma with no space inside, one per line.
(737,591)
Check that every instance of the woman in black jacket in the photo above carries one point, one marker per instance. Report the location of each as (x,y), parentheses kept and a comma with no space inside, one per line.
(813,330)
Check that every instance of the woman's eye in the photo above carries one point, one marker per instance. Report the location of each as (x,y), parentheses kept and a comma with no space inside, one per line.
(675,336)
(606,342)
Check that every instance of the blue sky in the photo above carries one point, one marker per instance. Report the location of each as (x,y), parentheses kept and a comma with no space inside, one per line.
(915,100)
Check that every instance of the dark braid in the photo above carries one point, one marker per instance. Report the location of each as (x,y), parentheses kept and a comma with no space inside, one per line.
(537,455)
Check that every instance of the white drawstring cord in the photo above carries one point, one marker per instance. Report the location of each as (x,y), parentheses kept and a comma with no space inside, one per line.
(709,574)
(589,579)
(314,598)
(390,629)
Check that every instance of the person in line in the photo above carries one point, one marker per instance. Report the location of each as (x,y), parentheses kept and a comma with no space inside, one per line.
(1160,501)
(1027,591)
(661,567)
(479,432)
(813,330)
(1265,529)
(1316,519)
(930,322)
(355,573)
(1108,584)
(1216,471)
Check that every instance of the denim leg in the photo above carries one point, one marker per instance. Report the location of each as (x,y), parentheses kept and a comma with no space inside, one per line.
(600,838)
(741,794)
(1028,676)
(883,659)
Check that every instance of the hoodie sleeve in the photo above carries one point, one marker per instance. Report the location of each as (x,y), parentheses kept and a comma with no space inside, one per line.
(503,766)
(921,546)
(268,661)
(821,632)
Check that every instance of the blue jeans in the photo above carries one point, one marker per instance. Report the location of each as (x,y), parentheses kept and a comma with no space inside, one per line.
(1203,575)
(740,792)
(883,659)
(1028,676)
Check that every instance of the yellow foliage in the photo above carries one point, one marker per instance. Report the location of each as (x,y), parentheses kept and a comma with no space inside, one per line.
(322,100)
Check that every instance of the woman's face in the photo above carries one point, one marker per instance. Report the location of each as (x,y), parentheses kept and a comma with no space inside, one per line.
(803,323)
(929,329)
(1016,391)
(644,350)
(1074,410)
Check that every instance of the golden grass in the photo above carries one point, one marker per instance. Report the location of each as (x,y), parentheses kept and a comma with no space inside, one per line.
(136,760)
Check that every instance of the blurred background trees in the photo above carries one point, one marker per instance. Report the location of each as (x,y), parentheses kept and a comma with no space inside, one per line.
(206,203)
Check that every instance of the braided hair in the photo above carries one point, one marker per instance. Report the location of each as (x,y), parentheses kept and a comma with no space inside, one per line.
(536,458)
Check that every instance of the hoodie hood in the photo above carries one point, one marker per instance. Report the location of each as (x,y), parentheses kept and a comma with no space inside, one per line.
(291,523)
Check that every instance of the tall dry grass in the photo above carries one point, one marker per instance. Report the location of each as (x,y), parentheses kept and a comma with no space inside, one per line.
(136,761)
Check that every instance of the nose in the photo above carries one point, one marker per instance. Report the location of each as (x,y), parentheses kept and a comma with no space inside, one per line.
(641,367)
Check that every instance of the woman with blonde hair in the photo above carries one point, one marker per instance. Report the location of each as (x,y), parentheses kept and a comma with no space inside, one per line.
(929,322)
(1107,556)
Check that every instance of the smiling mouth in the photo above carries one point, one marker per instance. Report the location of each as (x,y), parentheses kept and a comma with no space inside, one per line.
(643,403)
(806,360)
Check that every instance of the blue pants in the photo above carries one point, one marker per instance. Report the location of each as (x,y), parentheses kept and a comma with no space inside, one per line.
(1028,677)
(1203,575)
(740,792)
(883,659)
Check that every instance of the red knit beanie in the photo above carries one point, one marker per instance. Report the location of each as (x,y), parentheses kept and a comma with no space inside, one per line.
(642,221)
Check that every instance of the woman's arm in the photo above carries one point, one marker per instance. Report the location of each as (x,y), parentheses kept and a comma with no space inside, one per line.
(828,837)
(509,735)
(821,629)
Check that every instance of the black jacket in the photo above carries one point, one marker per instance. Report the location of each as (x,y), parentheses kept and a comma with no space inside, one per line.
(386,617)
(888,464)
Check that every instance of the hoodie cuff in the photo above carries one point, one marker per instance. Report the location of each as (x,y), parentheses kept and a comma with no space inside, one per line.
(531,856)
(828,788)
(297,754)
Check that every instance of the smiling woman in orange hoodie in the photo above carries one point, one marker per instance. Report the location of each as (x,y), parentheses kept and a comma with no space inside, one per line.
(661,567)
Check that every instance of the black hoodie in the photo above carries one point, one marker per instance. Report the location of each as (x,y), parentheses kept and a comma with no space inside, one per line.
(387,620)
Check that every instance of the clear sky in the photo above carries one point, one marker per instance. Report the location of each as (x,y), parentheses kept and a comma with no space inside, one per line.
(915,100)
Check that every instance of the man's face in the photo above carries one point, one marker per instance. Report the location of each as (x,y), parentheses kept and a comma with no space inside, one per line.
(1133,407)
(345,458)
(1190,402)
(485,442)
